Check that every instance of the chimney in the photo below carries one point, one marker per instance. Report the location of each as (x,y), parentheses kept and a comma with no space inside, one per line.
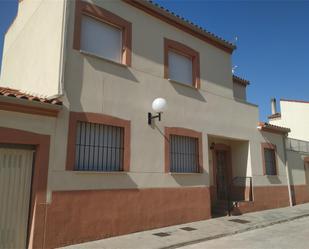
(273,106)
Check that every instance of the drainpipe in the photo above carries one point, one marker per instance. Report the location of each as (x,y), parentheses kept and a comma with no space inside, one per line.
(287,170)
(62,49)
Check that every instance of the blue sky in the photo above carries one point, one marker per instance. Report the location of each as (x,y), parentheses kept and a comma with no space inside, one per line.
(272,48)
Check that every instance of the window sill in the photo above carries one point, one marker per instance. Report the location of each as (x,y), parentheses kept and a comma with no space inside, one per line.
(182,84)
(185,173)
(100,172)
(102,58)
(271,175)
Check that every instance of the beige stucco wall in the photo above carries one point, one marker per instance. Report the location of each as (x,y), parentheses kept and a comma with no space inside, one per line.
(257,160)
(294,115)
(239,91)
(96,85)
(32,123)
(31,53)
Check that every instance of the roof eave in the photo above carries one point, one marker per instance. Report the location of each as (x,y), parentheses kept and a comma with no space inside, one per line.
(240,81)
(8,103)
(171,19)
(273,129)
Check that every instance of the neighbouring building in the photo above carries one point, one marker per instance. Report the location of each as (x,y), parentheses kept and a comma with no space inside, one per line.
(78,159)
(295,115)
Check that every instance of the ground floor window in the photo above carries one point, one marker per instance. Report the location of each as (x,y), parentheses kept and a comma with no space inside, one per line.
(98,142)
(269,157)
(99,147)
(183,151)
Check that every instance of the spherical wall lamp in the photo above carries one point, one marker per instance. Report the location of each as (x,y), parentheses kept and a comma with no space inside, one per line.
(159,105)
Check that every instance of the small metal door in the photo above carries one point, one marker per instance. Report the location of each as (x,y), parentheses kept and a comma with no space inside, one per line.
(307,173)
(15,190)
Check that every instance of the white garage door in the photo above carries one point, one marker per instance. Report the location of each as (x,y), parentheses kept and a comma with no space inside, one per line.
(15,188)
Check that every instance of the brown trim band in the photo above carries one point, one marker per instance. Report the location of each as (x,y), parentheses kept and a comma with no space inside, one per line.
(92,10)
(13,107)
(84,215)
(296,101)
(39,181)
(142,5)
(182,132)
(271,147)
(98,119)
(170,45)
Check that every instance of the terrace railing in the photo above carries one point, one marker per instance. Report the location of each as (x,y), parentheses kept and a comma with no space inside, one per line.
(297,145)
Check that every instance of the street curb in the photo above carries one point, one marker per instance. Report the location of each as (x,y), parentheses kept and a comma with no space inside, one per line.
(257,226)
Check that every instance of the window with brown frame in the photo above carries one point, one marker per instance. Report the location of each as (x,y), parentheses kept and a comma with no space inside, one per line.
(183,151)
(98,142)
(181,63)
(270,160)
(102,33)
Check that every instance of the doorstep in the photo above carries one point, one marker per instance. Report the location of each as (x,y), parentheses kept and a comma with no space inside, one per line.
(191,233)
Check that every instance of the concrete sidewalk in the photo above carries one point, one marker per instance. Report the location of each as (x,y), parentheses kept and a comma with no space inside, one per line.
(190,233)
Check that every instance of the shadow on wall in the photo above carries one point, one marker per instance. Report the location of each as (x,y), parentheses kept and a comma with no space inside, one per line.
(274,180)
(113,68)
(188,91)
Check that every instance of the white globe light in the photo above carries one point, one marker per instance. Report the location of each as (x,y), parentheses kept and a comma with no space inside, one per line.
(159,105)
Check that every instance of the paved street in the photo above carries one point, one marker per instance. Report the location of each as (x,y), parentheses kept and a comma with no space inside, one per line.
(288,235)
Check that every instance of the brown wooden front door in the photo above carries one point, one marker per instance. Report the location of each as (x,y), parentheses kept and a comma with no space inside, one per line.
(222,171)
(222,175)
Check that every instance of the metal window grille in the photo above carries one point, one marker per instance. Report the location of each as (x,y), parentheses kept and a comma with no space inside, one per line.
(99,147)
(184,157)
(270,161)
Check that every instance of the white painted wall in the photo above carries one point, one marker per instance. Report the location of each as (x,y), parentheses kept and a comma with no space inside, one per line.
(294,115)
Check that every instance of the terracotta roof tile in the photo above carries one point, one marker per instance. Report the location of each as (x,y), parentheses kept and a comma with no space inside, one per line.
(273,128)
(14,93)
(239,80)
(276,115)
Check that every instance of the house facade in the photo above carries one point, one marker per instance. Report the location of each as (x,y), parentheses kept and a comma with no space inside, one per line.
(88,72)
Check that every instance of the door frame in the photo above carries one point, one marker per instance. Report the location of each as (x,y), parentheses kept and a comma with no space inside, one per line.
(36,227)
(227,149)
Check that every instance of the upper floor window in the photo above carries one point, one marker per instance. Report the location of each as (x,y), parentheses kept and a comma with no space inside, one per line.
(180,68)
(98,142)
(269,157)
(183,151)
(101,39)
(102,33)
(181,63)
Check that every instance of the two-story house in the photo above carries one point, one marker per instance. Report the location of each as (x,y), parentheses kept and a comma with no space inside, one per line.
(75,142)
